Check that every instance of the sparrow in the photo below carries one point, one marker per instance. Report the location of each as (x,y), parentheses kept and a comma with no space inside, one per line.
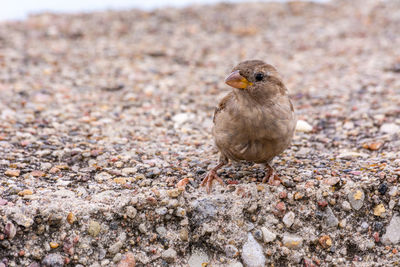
(255,121)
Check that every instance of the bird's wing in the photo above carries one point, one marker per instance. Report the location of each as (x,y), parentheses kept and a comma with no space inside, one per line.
(222,105)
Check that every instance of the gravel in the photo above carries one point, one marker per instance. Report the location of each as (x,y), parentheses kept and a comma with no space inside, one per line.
(105,136)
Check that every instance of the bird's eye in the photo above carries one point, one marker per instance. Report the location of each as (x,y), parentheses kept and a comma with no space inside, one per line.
(259,76)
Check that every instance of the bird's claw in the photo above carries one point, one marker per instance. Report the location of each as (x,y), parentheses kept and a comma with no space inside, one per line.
(271,177)
(207,181)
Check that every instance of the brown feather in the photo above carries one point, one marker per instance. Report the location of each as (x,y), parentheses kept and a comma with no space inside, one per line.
(257,123)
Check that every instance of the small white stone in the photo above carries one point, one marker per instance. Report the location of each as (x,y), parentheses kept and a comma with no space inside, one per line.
(162,231)
(393,191)
(198,258)
(169,255)
(181,118)
(303,126)
(392,203)
(346,206)
(128,171)
(131,212)
(351,155)
(348,125)
(268,236)
(288,219)
(292,241)
(392,235)
(390,128)
(252,254)
(103,176)
(45,166)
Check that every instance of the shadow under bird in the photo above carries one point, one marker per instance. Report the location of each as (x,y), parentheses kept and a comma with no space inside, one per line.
(255,121)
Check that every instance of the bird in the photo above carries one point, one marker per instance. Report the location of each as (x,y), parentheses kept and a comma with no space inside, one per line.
(254,122)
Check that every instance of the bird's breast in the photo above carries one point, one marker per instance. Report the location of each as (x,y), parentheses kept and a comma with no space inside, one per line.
(254,134)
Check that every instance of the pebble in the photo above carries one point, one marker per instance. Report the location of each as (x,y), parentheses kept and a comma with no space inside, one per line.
(379,210)
(129,171)
(115,248)
(288,219)
(71,218)
(268,236)
(45,166)
(292,241)
(54,245)
(234,264)
(346,206)
(231,251)
(364,225)
(142,228)
(117,257)
(22,220)
(181,118)
(392,192)
(174,192)
(303,126)
(330,219)
(131,212)
(184,234)
(161,230)
(94,228)
(198,258)
(390,128)
(128,260)
(10,230)
(103,176)
(53,260)
(120,180)
(169,255)
(356,199)
(161,211)
(3,202)
(325,241)
(382,188)
(392,234)
(12,172)
(280,208)
(252,253)
(349,155)
(25,192)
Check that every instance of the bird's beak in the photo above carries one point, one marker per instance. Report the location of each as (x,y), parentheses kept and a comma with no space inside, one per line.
(237,81)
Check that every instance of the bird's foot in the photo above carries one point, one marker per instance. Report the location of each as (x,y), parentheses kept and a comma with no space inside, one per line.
(207,181)
(271,177)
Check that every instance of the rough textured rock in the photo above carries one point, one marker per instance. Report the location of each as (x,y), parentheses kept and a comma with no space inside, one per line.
(356,199)
(252,253)
(292,241)
(53,260)
(169,255)
(288,219)
(198,258)
(392,234)
(268,236)
(128,260)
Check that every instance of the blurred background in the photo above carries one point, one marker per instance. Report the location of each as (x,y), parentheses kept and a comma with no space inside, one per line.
(19,9)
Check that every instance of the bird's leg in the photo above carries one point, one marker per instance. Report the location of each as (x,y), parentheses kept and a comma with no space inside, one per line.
(271,176)
(212,175)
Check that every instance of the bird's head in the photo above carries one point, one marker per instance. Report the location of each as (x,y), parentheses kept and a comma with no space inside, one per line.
(256,78)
